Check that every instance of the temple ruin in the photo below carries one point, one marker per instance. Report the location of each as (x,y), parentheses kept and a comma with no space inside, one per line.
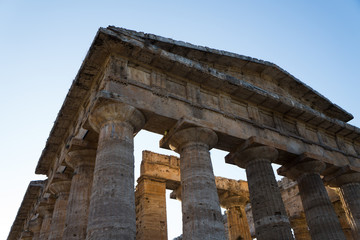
(197,98)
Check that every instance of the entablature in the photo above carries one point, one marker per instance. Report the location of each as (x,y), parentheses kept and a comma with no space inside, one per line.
(154,78)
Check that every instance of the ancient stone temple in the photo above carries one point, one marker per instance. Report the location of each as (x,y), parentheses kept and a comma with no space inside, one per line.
(197,98)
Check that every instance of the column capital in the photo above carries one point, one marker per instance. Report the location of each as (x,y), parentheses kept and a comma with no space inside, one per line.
(35,225)
(341,177)
(81,157)
(302,165)
(60,187)
(176,193)
(26,235)
(116,112)
(229,200)
(193,135)
(244,157)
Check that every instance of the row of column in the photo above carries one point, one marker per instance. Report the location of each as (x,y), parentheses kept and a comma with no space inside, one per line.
(65,216)
(320,216)
(110,198)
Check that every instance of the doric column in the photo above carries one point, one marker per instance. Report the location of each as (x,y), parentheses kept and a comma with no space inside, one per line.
(236,216)
(343,219)
(349,186)
(150,201)
(320,215)
(45,211)
(300,227)
(82,161)
(35,227)
(270,219)
(201,213)
(112,202)
(61,190)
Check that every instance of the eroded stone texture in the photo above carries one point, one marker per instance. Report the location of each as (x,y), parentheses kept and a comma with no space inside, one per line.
(238,227)
(151,222)
(320,215)
(270,219)
(202,218)
(294,208)
(250,219)
(167,169)
(112,203)
(349,189)
(61,190)
(233,196)
(340,212)
(350,195)
(290,194)
(82,161)
(300,228)
(45,211)
(35,227)
(161,167)
(26,235)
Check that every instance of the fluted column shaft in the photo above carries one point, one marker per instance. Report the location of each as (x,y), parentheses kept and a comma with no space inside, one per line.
(270,219)
(82,161)
(301,230)
(201,212)
(112,202)
(350,194)
(150,198)
(234,203)
(343,219)
(237,223)
(61,189)
(35,227)
(45,213)
(320,215)
(348,182)
(268,209)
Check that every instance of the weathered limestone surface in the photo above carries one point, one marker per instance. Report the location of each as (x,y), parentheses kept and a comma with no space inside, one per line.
(82,161)
(270,219)
(341,214)
(250,219)
(349,189)
(350,195)
(290,195)
(150,199)
(320,215)
(112,204)
(300,228)
(61,190)
(35,227)
(294,208)
(26,235)
(236,216)
(162,167)
(241,81)
(202,218)
(233,196)
(31,198)
(167,169)
(45,212)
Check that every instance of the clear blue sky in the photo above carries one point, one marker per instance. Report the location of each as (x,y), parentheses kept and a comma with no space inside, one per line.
(42,45)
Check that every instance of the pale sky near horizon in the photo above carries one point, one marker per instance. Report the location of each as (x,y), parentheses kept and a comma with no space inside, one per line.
(43,43)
